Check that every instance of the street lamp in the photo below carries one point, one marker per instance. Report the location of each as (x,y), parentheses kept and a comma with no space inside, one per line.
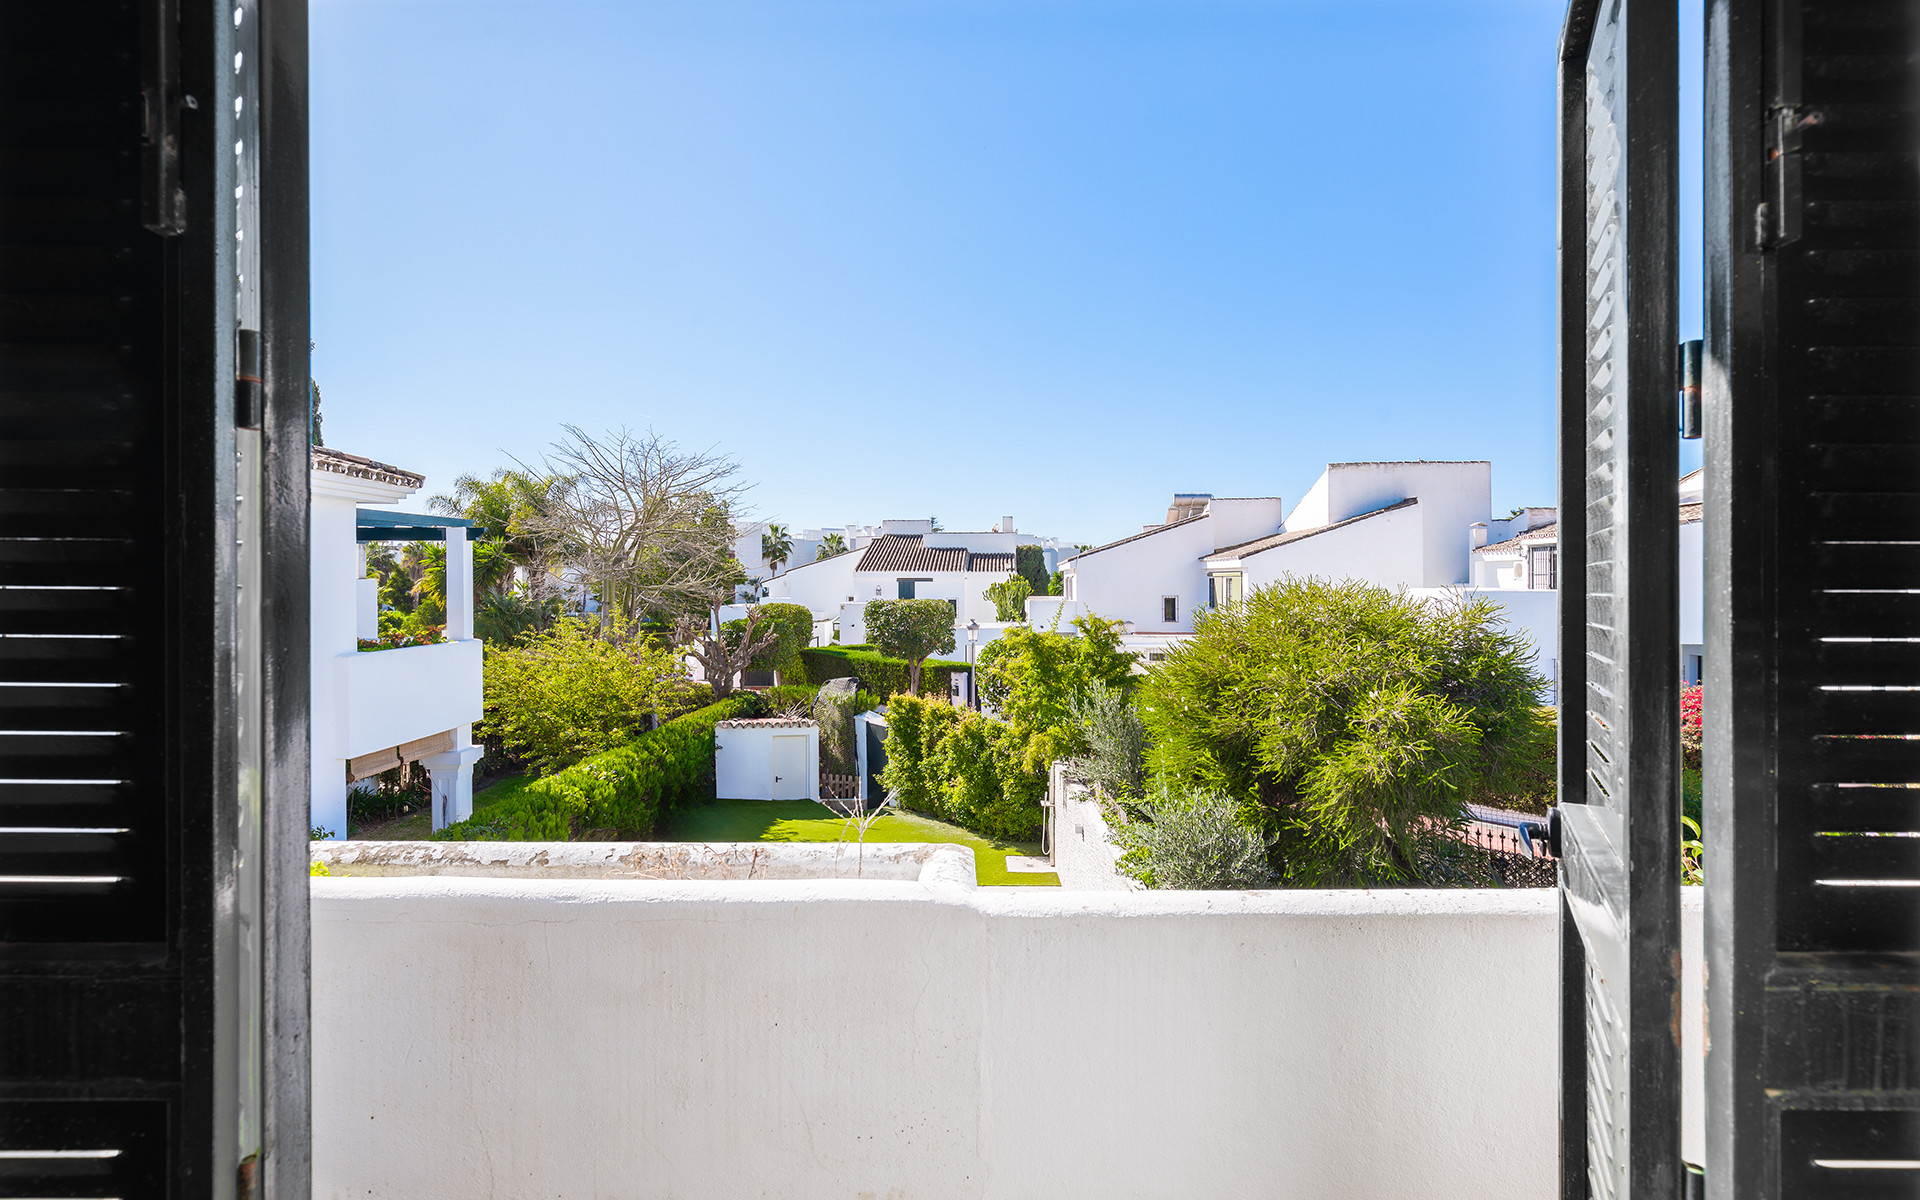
(973,639)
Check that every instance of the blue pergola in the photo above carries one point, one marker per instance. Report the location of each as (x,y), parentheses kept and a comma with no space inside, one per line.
(377,525)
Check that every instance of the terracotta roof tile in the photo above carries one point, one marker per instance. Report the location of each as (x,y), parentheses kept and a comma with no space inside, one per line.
(895,552)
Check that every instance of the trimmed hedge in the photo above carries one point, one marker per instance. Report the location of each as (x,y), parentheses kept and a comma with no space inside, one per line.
(957,765)
(626,790)
(877,673)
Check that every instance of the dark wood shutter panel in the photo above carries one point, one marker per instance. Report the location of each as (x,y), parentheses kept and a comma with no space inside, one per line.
(1617,820)
(1812,806)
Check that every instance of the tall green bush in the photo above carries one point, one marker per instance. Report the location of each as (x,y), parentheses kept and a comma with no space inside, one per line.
(1031,676)
(565,693)
(1349,723)
(793,632)
(960,766)
(1115,738)
(1009,598)
(834,713)
(624,792)
(877,672)
(1030,564)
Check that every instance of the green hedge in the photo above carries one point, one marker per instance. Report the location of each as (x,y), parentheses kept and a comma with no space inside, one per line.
(626,790)
(957,765)
(877,673)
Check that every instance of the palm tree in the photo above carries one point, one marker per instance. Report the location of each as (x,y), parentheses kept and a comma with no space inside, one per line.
(509,505)
(776,547)
(830,545)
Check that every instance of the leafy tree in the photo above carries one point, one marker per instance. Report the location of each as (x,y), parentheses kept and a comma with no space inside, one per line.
(915,630)
(1030,563)
(566,693)
(792,629)
(492,570)
(1349,723)
(1009,598)
(513,507)
(724,655)
(775,546)
(502,618)
(648,525)
(1056,583)
(831,546)
(1032,675)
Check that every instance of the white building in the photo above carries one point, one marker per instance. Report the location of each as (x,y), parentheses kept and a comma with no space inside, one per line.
(372,710)
(1395,524)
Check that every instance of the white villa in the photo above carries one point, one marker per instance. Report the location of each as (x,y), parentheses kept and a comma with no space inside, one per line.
(373,710)
(1425,527)
(906,560)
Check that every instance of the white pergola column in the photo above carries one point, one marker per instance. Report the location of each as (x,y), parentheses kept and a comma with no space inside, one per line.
(459,585)
(451,773)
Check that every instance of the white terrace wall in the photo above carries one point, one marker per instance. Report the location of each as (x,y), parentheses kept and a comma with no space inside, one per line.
(834,1038)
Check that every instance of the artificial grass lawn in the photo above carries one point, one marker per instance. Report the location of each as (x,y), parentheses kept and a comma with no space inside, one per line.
(807,821)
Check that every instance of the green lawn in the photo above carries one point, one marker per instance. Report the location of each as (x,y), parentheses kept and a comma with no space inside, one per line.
(806,821)
(417,825)
(764,821)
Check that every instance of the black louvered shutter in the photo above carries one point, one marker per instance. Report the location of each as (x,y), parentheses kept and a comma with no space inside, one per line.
(1617,820)
(1812,807)
(150,554)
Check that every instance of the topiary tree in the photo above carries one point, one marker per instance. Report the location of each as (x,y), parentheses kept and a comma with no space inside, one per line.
(1009,598)
(792,628)
(914,630)
(1348,722)
(1030,564)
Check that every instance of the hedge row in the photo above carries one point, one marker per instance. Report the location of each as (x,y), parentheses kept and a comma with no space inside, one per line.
(957,765)
(877,673)
(625,790)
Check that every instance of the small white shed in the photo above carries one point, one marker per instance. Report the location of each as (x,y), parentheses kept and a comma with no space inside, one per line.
(767,758)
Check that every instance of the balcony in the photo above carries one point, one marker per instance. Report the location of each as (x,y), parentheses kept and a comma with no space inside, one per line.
(920,1037)
(389,697)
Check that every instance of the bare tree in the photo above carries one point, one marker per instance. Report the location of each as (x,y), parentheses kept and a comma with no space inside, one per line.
(648,525)
(720,661)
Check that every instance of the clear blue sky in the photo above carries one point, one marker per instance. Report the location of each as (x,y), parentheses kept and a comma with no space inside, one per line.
(1048,258)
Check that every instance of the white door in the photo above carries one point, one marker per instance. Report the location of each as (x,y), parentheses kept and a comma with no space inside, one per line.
(790,756)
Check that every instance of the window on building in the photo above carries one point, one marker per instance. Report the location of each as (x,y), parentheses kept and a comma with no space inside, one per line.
(1542,567)
(1223,589)
(906,589)
(1169,609)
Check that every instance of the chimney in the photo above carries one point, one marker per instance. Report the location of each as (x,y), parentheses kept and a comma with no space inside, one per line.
(1476,535)
(1006,524)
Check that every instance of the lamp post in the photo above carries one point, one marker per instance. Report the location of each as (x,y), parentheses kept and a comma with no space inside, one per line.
(973,639)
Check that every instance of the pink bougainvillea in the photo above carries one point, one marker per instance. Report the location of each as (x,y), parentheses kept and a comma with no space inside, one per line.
(1690,725)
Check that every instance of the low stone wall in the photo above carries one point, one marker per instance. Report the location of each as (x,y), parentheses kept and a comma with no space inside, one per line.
(927,863)
(547,1037)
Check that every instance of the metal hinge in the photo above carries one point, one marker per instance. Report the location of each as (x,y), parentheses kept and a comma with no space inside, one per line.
(1689,370)
(1777,219)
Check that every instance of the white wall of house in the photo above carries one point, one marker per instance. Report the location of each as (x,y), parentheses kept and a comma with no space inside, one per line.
(1452,495)
(1128,581)
(360,703)
(832,1038)
(1387,549)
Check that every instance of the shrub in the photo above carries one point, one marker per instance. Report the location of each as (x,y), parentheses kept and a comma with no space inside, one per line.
(834,713)
(960,766)
(1032,675)
(566,693)
(792,626)
(625,791)
(1690,719)
(1009,598)
(1030,564)
(1346,721)
(1192,838)
(1115,740)
(877,673)
(788,695)
(911,629)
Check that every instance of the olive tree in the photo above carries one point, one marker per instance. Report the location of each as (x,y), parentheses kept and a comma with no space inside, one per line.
(915,630)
